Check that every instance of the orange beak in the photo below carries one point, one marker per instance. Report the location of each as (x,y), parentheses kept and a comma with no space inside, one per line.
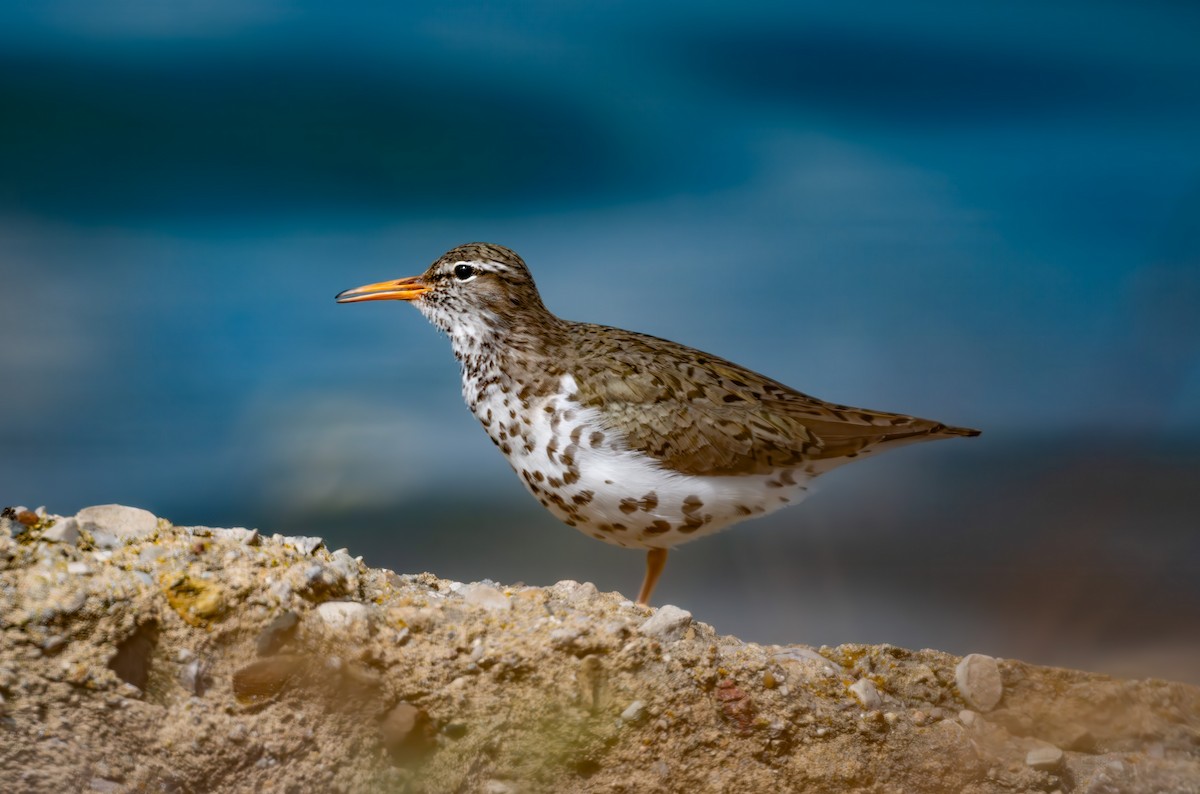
(402,289)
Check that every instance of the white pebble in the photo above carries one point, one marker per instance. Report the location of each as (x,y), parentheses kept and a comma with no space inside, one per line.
(342,614)
(867,694)
(119,522)
(485,596)
(65,530)
(1044,758)
(978,679)
(667,623)
(634,711)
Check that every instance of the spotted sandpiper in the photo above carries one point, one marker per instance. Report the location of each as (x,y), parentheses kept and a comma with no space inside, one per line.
(634,440)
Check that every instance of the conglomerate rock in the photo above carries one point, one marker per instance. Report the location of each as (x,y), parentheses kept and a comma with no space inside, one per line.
(140,656)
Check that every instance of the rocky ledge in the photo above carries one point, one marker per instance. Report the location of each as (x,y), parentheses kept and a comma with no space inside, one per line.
(141,656)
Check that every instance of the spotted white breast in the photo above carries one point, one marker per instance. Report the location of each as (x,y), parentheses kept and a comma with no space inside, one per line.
(581,471)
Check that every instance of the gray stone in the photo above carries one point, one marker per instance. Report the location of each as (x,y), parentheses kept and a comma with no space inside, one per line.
(117,522)
(65,530)
(864,689)
(979,683)
(667,623)
(1045,758)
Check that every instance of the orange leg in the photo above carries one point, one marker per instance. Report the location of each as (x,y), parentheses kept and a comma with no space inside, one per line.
(656,560)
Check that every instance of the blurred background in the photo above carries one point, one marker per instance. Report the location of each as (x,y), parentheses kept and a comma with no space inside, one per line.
(987,214)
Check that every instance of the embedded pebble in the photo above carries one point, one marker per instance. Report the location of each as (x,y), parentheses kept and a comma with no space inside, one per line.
(304,544)
(979,683)
(54,644)
(262,680)
(117,522)
(242,535)
(78,568)
(867,693)
(486,596)
(667,623)
(193,677)
(634,712)
(65,530)
(277,633)
(498,787)
(802,653)
(575,592)
(1045,758)
(343,614)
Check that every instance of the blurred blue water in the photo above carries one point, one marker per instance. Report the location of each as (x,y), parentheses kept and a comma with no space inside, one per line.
(987,214)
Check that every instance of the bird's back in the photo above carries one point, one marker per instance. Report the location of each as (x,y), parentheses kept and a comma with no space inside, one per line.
(700,414)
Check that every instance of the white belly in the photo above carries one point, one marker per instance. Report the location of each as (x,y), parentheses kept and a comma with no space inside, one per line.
(581,472)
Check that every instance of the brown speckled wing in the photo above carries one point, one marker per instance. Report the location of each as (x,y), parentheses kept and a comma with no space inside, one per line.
(699,414)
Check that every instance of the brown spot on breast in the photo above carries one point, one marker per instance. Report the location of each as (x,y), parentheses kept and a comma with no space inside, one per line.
(582,498)
(691,524)
(649,501)
(576,434)
(744,510)
(787,478)
(554,482)
(628,505)
(619,527)
(571,477)
(596,438)
(537,475)
(658,527)
(568,456)
(692,504)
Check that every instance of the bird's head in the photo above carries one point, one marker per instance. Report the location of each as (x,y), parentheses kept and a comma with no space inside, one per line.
(476,290)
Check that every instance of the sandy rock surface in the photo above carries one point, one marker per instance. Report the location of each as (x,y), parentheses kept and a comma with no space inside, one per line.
(140,656)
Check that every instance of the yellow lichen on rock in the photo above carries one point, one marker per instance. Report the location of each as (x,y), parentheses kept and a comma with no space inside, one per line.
(198,601)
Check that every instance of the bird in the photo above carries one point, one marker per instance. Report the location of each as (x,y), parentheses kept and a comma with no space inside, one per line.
(631,439)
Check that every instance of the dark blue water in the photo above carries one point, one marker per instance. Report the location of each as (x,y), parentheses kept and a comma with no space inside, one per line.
(987,215)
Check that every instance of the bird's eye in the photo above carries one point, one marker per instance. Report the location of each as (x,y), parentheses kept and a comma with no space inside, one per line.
(463,271)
